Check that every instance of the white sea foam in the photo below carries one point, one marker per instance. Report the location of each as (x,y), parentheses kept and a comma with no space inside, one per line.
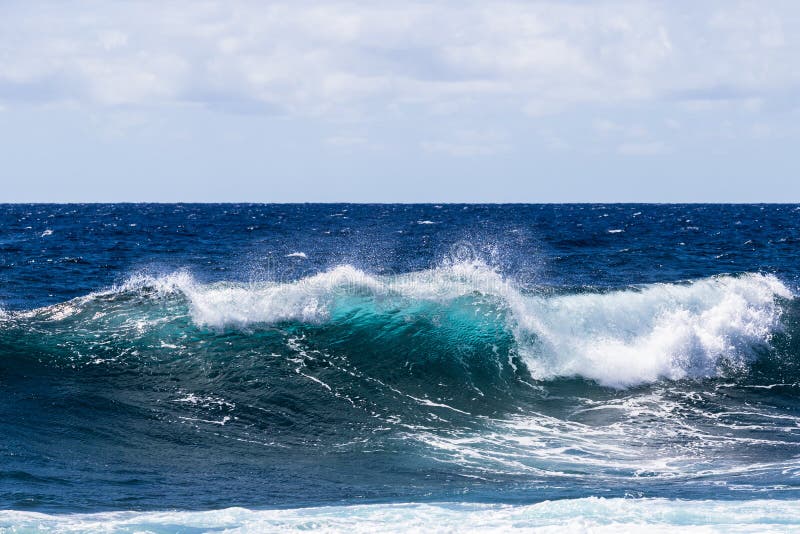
(307,300)
(297,255)
(668,331)
(589,514)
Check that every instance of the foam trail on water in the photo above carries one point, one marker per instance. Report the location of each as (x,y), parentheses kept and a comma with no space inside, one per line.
(567,515)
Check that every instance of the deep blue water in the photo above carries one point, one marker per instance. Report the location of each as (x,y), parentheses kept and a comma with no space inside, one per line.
(205,356)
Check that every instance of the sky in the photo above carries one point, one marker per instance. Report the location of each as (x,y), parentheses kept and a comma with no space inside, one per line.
(400,101)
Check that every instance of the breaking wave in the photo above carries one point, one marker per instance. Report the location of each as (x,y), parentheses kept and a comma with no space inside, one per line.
(696,329)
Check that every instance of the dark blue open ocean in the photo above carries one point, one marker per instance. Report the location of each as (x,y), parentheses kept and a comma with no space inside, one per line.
(267,367)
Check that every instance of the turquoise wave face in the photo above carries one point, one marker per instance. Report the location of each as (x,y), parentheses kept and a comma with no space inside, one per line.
(386,352)
(350,383)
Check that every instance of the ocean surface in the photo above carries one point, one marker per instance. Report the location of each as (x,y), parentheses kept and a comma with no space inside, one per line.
(193,368)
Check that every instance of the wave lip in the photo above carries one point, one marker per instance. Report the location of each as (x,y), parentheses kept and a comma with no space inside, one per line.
(311,299)
(570,515)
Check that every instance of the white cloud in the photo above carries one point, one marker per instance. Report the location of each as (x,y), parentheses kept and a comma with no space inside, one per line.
(356,142)
(342,57)
(650,148)
(347,141)
(467,143)
(112,39)
(553,142)
(609,127)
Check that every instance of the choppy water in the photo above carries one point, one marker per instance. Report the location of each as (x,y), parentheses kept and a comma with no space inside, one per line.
(514,365)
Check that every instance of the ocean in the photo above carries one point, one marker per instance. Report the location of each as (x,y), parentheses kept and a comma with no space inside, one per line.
(248,367)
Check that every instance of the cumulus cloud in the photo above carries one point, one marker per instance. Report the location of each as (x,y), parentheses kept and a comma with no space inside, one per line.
(346,57)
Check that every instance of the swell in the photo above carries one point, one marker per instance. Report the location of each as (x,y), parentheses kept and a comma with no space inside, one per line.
(460,316)
(453,372)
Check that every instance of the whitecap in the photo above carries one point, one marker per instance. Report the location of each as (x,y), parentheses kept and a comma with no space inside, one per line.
(672,331)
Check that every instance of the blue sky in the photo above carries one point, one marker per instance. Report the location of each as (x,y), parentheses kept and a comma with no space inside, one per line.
(400,101)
